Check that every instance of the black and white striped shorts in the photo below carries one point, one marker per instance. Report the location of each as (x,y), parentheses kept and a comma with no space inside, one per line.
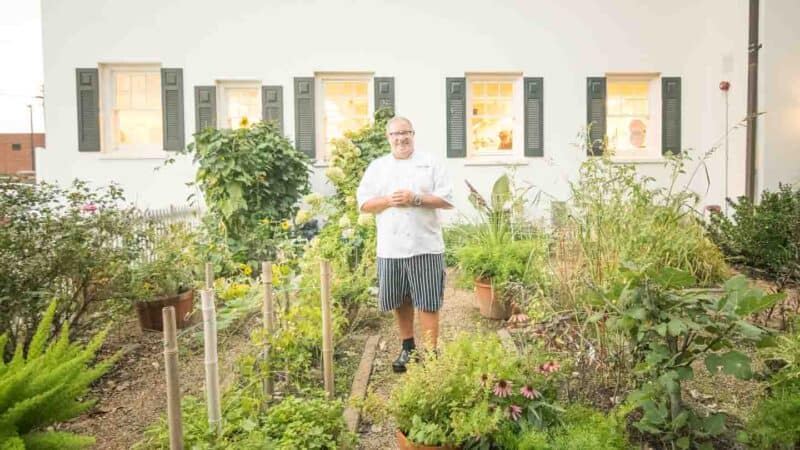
(420,277)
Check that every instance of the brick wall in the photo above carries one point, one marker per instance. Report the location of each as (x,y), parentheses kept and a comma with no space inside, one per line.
(15,151)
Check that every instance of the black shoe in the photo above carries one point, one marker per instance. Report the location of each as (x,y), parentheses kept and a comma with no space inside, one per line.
(399,364)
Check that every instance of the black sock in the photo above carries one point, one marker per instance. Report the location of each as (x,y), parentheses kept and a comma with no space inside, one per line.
(408,344)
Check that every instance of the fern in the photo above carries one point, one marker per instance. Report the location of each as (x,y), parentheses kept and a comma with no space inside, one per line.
(41,388)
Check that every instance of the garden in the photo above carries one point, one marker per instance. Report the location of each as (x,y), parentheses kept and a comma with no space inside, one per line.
(631,319)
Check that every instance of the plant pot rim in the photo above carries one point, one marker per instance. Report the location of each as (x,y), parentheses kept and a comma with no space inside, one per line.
(400,435)
(162,298)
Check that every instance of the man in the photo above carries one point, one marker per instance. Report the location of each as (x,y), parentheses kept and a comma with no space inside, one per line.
(404,189)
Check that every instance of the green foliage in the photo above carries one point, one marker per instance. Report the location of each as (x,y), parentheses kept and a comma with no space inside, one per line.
(763,236)
(307,423)
(586,428)
(506,261)
(502,218)
(465,408)
(456,236)
(171,266)
(620,217)
(668,328)
(776,421)
(42,387)
(249,176)
(785,357)
(74,244)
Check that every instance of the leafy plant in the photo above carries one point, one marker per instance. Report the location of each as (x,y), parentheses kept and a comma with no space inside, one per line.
(763,236)
(170,268)
(668,328)
(75,244)
(42,387)
(775,423)
(506,261)
(248,176)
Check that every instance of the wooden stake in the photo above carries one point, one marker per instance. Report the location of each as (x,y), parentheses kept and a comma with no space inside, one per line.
(327,335)
(209,275)
(268,319)
(173,388)
(211,360)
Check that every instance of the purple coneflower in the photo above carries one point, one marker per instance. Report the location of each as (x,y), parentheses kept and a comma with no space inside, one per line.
(89,208)
(513,412)
(502,388)
(486,380)
(549,367)
(529,392)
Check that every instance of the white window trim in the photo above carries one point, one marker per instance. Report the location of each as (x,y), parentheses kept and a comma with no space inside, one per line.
(222,98)
(319,105)
(106,88)
(499,157)
(651,154)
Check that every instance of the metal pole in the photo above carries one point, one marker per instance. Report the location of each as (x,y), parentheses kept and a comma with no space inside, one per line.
(725,200)
(327,335)
(173,387)
(269,324)
(33,151)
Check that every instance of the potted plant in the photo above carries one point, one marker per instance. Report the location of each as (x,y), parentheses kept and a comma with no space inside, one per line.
(492,265)
(166,277)
(483,393)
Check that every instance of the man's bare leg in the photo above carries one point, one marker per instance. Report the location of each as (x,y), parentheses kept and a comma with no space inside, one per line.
(429,324)
(405,319)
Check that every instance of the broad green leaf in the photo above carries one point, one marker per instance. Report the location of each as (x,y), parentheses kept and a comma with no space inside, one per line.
(671,278)
(714,424)
(685,373)
(752,304)
(501,192)
(732,363)
(684,442)
(676,327)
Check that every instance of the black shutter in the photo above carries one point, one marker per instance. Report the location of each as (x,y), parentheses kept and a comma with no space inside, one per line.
(671,115)
(456,117)
(272,105)
(172,108)
(384,94)
(534,116)
(205,107)
(304,129)
(88,110)
(596,113)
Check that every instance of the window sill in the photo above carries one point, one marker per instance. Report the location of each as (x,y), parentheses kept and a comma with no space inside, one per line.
(320,163)
(640,160)
(496,162)
(123,155)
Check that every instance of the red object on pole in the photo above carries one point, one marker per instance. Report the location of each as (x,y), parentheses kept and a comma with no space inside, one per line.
(724,85)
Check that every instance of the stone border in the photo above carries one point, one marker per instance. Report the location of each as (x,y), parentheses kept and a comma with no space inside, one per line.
(352,416)
(507,341)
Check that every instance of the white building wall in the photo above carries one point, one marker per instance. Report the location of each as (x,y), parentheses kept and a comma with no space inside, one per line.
(419,43)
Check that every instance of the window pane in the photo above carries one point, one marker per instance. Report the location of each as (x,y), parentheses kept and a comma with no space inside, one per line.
(627,133)
(136,115)
(139,127)
(346,108)
(492,121)
(506,89)
(241,103)
(492,89)
(477,89)
(628,114)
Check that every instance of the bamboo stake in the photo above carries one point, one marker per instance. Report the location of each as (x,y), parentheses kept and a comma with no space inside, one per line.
(211,360)
(269,325)
(209,275)
(173,389)
(327,336)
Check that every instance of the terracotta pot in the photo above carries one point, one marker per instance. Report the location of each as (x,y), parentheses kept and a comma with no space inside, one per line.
(404,444)
(490,306)
(150,312)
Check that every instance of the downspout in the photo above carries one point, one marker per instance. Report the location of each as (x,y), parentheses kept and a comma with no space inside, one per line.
(752,101)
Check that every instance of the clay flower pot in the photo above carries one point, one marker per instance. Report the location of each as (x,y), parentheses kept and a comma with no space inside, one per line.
(490,306)
(404,444)
(149,312)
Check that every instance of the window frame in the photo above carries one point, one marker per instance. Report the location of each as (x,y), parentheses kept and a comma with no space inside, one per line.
(517,153)
(107,91)
(222,87)
(319,104)
(652,149)
(16,147)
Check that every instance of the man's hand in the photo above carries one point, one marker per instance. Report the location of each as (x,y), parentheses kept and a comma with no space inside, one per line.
(401,198)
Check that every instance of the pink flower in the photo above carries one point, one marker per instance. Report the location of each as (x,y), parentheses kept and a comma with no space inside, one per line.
(529,392)
(89,208)
(502,388)
(513,412)
(549,367)
(4,220)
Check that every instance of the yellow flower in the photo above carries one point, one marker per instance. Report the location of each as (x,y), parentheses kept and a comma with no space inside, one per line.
(244,122)
(247,270)
(303,216)
(335,174)
(344,222)
(285,225)
(265,221)
(365,219)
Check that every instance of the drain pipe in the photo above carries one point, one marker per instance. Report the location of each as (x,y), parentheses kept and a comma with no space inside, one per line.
(752,101)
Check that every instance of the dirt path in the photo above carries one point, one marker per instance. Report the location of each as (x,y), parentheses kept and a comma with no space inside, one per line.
(132,396)
(458,315)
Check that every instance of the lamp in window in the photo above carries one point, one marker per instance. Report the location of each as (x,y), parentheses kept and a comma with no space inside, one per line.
(638,131)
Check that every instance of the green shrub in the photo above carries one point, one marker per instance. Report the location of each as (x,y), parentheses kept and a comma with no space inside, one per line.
(506,261)
(44,386)
(620,217)
(763,236)
(75,244)
(170,268)
(776,421)
(586,428)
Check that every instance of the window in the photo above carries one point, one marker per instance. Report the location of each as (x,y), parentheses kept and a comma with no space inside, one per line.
(493,128)
(16,147)
(633,120)
(238,100)
(344,105)
(131,107)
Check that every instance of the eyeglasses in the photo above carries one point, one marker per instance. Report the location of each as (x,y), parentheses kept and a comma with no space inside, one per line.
(397,134)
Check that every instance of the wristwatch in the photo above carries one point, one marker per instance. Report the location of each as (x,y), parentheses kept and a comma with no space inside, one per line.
(417,200)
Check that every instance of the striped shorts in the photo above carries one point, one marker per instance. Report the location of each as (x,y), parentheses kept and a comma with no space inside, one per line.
(420,277)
